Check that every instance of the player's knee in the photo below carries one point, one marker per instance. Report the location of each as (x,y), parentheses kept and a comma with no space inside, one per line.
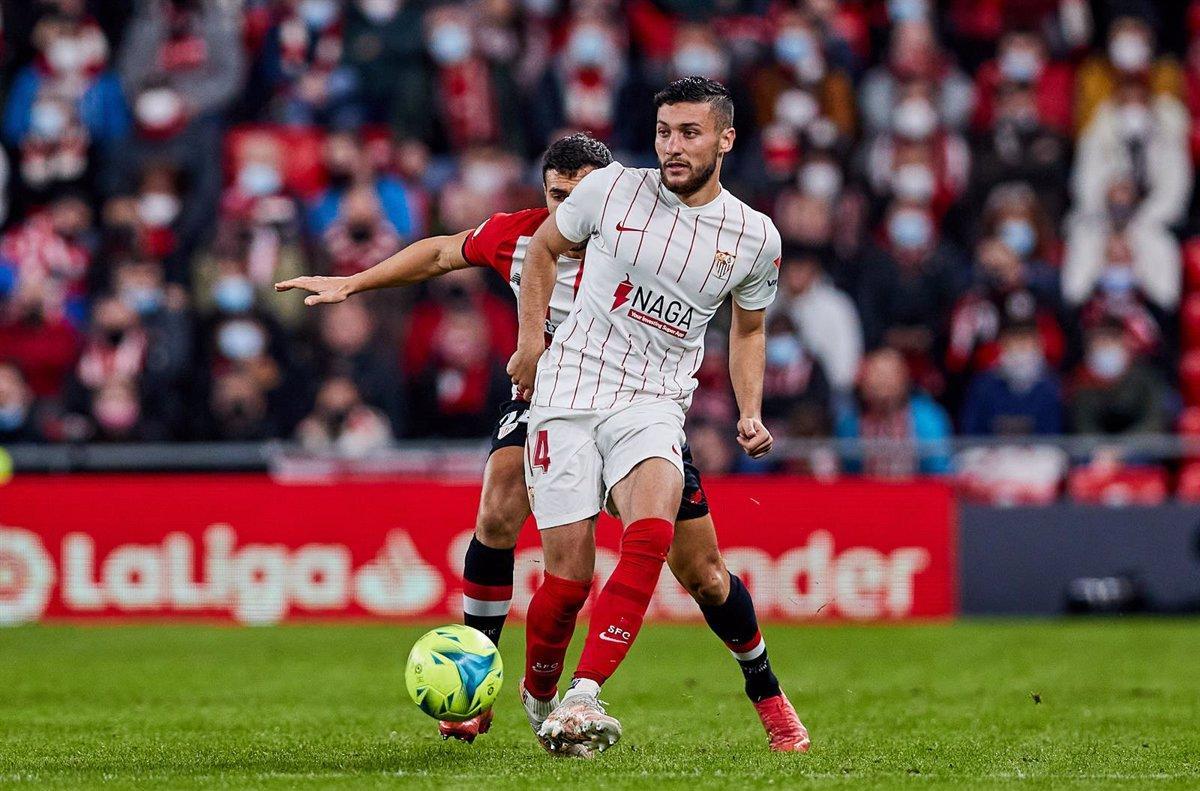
(707,581)
(648,537)
(499,522)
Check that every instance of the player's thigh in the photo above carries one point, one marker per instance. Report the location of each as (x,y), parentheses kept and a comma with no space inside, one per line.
(643,462)
(562,467)
(569,550)
(504,502)
(651,490)
(695,560)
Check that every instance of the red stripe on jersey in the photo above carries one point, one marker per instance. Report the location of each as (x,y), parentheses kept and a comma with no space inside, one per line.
(600,375)
(562,351)
(716,248)
(695,227)
(737,245)
(645,368)
(604,210)
(578,280)
(663,365)
(668,245)
(761,247)
(623,372)
(487,592)
(646,227)
(586,340)
(636,192)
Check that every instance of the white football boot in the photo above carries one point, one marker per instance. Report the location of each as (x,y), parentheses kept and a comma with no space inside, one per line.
(537,711)
(580,721)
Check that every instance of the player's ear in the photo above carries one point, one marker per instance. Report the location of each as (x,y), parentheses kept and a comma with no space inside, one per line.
(726,142)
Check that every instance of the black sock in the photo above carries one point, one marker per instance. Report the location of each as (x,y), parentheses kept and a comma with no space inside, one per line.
(737,626)
(487,588)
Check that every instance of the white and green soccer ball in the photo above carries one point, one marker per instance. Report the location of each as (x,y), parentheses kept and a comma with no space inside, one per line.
(454,673)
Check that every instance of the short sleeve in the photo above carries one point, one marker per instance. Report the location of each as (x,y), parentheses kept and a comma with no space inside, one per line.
(494,242)
(578,217)
(757,290)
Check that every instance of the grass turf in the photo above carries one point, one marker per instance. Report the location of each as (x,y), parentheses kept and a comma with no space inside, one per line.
(324,706)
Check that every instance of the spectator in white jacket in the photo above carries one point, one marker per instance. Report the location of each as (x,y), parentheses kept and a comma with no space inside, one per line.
(1092,239)
(1142,137)
(827,320)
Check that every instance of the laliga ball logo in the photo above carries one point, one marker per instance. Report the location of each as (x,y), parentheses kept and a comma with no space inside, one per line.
(26,577)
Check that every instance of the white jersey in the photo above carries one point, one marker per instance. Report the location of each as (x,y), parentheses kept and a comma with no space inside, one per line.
(655,272)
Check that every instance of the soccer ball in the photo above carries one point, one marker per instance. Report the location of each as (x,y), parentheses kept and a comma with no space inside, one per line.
(454,673)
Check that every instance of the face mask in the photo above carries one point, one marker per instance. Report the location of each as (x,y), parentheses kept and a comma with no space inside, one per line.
(910,229)
(318,14)
(65,55)
(1020,65)
(1021,368)
(588,47)
(158,107)
(914,119)
(1134,121)
(700,60)
(158,209)
(483,178)
(821,180)
(116,414)
(783,351)
(12,417)
(796,108)
(913,182)
(906,10)
(541,8)
(241,340)
(450,43)
(233,294)
(259,179)
(1117,280)
(1018,236)
(143,299)
(48,120)
(379,11)
(1129,52)
(794,46)
(1108,361)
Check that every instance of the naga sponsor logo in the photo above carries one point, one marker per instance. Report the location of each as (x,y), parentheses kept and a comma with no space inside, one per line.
(653,309)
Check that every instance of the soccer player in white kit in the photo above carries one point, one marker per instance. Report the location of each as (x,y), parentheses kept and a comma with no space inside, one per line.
(665,247)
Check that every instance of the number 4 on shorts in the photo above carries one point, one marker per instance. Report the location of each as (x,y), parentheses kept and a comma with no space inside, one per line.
(541,451)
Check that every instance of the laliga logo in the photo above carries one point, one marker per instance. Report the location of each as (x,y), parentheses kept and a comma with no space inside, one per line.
(26,577)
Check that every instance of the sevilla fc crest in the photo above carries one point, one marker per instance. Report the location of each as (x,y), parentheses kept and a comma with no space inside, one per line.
(723,264)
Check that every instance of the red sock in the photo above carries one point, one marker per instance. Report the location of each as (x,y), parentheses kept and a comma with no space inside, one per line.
(621,606)
(549,626)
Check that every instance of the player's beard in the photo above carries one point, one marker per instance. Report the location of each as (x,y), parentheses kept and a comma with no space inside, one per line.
(699,178)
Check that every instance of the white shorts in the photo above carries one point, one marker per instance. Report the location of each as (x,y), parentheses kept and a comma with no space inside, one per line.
(574,457)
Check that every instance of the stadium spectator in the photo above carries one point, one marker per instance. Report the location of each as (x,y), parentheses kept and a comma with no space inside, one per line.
(350,347)
(1129,56)
(384,47)
(1113,392)
(52,249)
(794,381)
(35,334)
(360,235)
(1022,60)
(581,88)
(712,450)
(342,424)
(904,431)
(348,167)
(824,316)
(18,416)
(1020,395)
(237,410)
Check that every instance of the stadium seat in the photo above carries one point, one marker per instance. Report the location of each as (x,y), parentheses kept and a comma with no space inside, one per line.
(1191,265)
(1189,377)
(1189,320)
(1118,486)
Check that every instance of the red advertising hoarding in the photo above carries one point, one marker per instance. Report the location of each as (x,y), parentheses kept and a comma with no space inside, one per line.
(246,548)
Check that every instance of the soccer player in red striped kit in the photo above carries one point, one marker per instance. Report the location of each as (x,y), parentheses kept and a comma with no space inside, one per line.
(665,248)
(500,243)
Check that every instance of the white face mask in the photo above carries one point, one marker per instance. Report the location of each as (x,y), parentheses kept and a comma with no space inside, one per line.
(821,180)
(450,43)
(379,11)
(913,182)
(1129,52)
(701,60)
(66,55)
(1021,367)
(914,119)
(1108,361)
(910,229)
(48,120)
(1020,65)
(796,108)
(158,209)
(241,340)
(483,178)
(158,107)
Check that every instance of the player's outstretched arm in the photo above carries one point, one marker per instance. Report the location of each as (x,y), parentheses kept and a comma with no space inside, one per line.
(537,283)
(747,362)
(418,262)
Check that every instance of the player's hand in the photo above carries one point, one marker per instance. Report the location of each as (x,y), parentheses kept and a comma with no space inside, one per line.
(754,438)
(325,289)
(522,367)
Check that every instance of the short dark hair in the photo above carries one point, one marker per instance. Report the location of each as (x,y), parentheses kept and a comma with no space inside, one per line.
(699,89)
(568,155)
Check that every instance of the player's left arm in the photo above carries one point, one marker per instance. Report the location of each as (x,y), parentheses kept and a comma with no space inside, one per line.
(747,362)
(748,343)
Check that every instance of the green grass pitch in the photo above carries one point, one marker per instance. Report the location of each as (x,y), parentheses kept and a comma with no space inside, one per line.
(324,706)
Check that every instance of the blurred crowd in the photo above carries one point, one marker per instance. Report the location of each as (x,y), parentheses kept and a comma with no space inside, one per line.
(986,208)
